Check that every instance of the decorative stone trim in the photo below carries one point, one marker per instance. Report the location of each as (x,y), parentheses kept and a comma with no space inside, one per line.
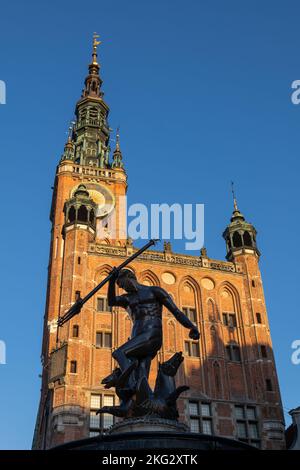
(167,258)
(88,171)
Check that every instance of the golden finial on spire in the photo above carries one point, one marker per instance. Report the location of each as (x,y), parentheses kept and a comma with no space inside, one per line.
(96,43)
(234,198)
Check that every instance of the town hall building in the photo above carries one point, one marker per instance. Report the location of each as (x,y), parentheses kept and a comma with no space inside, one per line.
(230,370)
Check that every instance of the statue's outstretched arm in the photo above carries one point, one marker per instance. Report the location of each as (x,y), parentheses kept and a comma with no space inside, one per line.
(113,299)
(168,302)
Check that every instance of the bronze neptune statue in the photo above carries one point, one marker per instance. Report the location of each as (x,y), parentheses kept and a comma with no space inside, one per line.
(144,305)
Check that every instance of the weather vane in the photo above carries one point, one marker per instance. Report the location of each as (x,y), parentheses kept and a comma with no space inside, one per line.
(96,43)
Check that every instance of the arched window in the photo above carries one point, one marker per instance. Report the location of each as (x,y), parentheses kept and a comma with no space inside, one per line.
(92,216)
(228,242)
(258,317)
(233,352)
(73,367)
(72,214)
(247,239)
(83,214)
(237,240)
(75,331)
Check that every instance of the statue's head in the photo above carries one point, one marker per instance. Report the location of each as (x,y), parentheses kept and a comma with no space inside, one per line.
(127,280)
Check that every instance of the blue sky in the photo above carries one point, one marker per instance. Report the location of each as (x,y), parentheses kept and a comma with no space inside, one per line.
(201,90)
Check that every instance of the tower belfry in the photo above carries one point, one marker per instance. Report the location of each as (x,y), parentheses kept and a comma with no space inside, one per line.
(240,235)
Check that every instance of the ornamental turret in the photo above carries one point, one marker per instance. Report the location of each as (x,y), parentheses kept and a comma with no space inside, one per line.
(80,210)
(240,235)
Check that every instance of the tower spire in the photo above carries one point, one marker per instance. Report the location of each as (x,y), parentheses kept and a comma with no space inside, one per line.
(91,131)
(93,81)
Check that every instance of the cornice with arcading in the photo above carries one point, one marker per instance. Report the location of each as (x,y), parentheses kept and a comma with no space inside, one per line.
(166,257)
(90,172)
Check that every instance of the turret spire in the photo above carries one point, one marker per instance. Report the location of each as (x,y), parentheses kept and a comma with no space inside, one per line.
(117,156)
(118,139)
(69,145)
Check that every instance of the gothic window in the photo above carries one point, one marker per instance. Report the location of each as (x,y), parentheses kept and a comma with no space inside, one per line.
(247,424)
(73,367)
(192,348)
(77,295)
(269,385)
(200,417)
(103,339)
(247,239)
(100,422)
(190,312)
(72,214)
(82,214)
(258,317)
(263,351)
(233,352)
(237,240)
(75,331)
(229,319)
(102,305)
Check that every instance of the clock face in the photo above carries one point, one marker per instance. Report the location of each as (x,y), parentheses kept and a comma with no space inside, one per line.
(102,196)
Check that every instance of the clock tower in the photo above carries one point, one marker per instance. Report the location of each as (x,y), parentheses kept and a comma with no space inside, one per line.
(87,205)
